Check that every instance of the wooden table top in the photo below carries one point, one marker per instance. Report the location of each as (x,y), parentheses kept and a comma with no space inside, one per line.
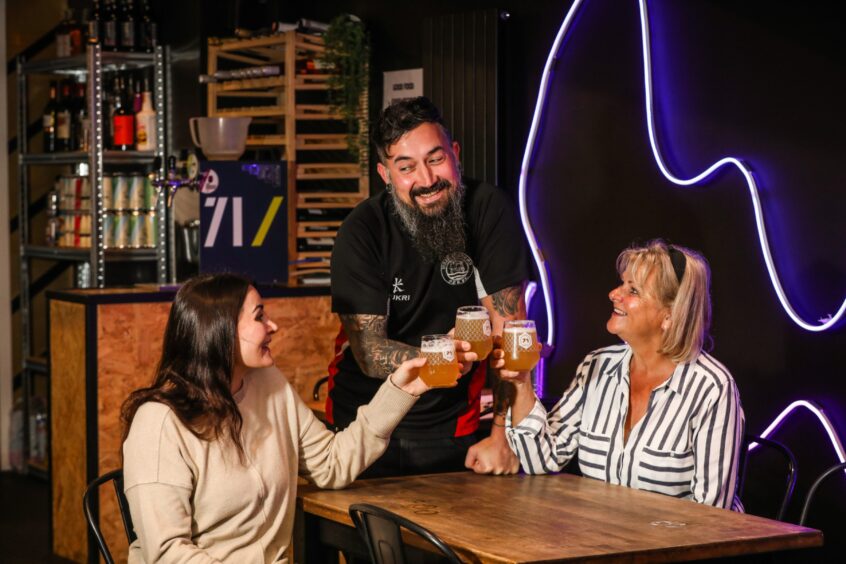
(524,519)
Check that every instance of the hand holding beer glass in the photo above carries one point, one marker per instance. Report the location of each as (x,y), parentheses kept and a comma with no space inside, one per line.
(520,345)
(442,369)
(473,324)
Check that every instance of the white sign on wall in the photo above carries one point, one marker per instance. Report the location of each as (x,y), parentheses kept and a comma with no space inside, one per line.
(401,84)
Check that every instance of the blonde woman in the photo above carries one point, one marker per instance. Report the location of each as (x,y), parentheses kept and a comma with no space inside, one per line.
(655,412)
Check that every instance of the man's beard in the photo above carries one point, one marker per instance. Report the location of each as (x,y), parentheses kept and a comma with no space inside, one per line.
(438,234)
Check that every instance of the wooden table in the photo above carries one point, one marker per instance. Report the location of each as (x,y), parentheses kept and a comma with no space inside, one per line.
(555,518)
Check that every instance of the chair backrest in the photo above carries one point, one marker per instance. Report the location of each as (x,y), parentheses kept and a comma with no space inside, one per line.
(381,531)
(817,483)
(89,506)
(789,474)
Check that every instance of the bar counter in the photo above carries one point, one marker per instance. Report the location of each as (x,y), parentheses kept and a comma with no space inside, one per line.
(104,344)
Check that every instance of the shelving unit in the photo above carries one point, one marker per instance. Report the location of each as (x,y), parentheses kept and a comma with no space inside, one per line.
(90,262)
(291,114)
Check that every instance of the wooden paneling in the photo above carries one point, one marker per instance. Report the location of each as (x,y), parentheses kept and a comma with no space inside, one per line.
(67,422)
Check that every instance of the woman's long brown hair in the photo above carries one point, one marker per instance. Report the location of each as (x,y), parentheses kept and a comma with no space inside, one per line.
(198,354)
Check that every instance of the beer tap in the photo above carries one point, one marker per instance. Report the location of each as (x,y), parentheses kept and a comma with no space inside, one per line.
(172,182)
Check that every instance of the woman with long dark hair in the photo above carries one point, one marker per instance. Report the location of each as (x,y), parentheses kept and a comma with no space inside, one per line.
(212,449)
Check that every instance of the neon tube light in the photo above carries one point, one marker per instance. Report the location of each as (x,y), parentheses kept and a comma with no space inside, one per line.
(819,413)
(824,323)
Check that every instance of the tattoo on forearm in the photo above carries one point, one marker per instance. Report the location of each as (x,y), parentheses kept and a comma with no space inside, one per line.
(504,393)
(377,356)
(506,302)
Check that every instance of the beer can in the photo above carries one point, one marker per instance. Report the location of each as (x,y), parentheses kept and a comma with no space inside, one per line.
(136,192)
(86,186)
(121,192)
(108,193)
(109,231)
(136,230)
(121,229)
(152,221)
(149,193)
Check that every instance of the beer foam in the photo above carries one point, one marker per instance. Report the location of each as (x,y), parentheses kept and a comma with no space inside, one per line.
(516,330)
(437,347)
(473,315)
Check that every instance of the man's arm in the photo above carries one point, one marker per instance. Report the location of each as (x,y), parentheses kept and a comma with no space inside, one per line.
(376,355)
(493,455)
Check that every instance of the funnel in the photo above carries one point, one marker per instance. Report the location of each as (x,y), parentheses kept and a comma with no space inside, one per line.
(220,138)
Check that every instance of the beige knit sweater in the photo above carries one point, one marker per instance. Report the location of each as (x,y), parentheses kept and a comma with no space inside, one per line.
(192,501)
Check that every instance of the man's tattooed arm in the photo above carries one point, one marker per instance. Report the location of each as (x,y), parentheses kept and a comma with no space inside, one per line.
(508,302)
(376,355)
(503,305)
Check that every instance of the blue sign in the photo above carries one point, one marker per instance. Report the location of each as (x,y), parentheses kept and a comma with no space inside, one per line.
(244,219)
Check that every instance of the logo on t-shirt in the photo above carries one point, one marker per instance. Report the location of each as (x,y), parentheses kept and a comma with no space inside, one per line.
(456,268)
(399,294)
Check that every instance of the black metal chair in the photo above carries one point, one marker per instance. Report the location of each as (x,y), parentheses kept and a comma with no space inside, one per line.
(381,531)
(790,463)
(815,486)
(89,501)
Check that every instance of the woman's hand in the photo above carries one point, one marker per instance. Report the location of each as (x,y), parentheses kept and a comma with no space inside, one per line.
(463,356)
(406,377)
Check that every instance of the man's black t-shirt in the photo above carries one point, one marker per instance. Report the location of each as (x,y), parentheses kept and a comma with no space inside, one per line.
(377,270)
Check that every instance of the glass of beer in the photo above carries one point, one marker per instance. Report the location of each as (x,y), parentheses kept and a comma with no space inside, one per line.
(472,324)
(442,369)
(520,345)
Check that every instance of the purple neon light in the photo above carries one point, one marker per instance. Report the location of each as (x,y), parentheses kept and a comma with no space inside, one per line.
(819,413)
(825,322)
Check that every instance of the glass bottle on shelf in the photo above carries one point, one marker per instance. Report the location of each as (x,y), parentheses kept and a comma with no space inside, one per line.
(63,40)
(63,118)
(95,23)
(49,119)
(147,28)
(110,26)
(81,123)
(123,121)
(126,16)
(145,121)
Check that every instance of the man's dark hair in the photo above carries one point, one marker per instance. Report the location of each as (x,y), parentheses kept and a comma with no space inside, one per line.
(401,117)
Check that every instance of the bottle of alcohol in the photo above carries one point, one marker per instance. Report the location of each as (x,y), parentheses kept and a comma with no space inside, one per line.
(126,14)
(110,26)
(63,48)
(145,121)
(137,95)
(95,24)
(147,28)
(74,34)
(63,118)
(124,122)
(48,120)
(81,124)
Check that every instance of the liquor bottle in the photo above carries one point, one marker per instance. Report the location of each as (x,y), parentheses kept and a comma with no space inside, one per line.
(147,28)
(63,48)
(74,34)
(145,122)
(95,24)
(137,95)
(81,124)
(124,123)
(126,16)
(63,118)
(48,120)
(110,26)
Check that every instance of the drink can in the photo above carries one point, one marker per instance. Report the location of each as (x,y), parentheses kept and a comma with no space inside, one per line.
(121,229)
(108,193)
(136,230)
(121,192)
(151,230)
(136,192)
(149,193)
(109,231)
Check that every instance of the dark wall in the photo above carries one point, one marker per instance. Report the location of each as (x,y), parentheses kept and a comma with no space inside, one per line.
(759,80)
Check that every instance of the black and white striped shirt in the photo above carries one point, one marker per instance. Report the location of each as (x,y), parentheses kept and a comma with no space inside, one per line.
(686,445)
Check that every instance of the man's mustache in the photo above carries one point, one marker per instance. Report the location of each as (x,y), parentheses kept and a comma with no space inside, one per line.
(426,190)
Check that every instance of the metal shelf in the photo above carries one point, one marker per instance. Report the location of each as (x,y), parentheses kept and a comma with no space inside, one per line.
(77,64)
(83,254)
(76,157)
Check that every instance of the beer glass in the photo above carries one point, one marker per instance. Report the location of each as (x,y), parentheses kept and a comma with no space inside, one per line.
(441,370)
(520,344)
(472,324)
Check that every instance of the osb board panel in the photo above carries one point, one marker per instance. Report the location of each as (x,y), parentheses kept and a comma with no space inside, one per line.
(128,349)
(130,339)
(67,420)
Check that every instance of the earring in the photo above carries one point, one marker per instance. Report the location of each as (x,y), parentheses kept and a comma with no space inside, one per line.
(389,187)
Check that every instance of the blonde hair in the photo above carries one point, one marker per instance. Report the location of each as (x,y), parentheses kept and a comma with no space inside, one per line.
(688,299)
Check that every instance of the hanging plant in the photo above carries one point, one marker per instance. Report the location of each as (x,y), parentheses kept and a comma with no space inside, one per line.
(348,54)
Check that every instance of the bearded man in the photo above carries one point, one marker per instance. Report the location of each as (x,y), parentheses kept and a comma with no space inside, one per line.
(403,262)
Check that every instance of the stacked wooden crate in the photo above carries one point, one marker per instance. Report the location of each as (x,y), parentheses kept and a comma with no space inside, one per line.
(292,116)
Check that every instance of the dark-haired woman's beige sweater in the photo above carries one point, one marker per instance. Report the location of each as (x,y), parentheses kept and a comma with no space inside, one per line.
(192,501)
